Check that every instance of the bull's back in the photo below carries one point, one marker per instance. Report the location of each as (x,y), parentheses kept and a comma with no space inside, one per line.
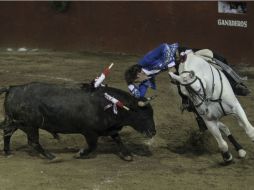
(36,93)
(58,105)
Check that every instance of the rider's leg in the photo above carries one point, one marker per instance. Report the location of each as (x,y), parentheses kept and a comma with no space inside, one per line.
(238,87)
(235,80)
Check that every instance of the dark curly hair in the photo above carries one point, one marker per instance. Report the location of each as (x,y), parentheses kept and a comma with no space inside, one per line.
(131,73)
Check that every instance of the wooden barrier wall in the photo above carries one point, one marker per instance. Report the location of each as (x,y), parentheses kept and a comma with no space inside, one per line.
(129,27)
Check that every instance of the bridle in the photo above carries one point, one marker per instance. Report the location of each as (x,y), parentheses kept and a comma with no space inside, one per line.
(194,94)
(203,97)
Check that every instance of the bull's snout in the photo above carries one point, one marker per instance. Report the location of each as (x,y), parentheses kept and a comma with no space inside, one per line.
(154,133)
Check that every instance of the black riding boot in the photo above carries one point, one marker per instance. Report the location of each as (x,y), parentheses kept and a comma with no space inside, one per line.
(241,90)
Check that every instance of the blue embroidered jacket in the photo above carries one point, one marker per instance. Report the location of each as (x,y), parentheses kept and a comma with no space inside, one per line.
(155,61)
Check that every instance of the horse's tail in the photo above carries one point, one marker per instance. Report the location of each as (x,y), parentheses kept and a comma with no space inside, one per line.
(4,90)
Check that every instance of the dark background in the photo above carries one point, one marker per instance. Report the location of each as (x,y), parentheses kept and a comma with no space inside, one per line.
(126,27)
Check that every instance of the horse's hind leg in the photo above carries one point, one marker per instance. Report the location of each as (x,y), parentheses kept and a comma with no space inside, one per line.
(243,121)
(223,146)
(238,147)
(8,132)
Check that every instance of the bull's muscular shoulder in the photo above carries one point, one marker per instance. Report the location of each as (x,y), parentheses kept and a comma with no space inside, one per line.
(117,93)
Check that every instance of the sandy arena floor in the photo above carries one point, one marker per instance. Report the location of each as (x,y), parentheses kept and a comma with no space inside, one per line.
(175,159)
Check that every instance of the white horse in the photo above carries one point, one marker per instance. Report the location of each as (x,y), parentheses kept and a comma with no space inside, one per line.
(212,95)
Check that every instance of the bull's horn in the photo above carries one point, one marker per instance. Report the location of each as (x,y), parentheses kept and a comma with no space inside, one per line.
(142,103)
(151,98)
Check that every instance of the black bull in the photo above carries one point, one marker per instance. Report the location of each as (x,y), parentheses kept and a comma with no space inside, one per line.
(72,109)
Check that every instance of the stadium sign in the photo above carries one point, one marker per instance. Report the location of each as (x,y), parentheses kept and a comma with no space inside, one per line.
(233,23)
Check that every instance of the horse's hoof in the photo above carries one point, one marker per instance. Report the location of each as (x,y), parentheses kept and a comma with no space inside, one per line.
(227,157)
(242,153)
(228,161)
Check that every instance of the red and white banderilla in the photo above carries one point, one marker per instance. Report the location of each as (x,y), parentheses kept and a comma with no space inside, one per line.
(115,103)
(103,75)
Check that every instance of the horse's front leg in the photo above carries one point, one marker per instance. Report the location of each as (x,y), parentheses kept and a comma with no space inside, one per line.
(243,120)
(238,147)
(222,144)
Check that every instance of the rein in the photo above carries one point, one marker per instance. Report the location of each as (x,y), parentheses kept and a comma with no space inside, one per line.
(219,100)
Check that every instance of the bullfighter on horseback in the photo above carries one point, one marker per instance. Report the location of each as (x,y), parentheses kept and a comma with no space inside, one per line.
(141,76)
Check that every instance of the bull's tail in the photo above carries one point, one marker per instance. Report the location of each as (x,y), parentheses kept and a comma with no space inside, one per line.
(3,90)
(2,125)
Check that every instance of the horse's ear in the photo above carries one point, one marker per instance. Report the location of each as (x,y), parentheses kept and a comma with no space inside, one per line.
(192,74)
(183,57)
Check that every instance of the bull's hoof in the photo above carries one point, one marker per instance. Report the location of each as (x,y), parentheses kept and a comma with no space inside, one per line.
(55,160)
(49,156)
(56,136)
(8,154)
(242,153)
(128,158)
(79,155)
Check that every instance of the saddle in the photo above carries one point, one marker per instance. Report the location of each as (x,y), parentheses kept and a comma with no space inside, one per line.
(206,54)
(235,80)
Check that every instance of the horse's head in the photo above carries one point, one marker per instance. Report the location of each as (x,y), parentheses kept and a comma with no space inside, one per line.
(189,79)
(193,86)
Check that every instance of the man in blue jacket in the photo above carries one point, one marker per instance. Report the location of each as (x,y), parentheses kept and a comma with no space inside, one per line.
(141,76)
(158,60)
